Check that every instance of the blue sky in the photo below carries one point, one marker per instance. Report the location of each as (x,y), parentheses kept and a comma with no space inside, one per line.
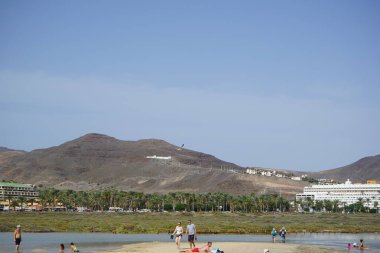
(283,84)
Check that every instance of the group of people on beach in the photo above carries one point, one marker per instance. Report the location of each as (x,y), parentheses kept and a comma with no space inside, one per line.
(17,240)
(190,231)
(73,248)
(282,234)
(356,246)
(191,237)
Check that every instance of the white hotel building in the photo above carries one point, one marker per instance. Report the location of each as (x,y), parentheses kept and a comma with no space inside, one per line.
(16,190)
(346,193)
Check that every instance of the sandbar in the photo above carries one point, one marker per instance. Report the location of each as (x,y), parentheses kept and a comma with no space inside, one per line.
(227,247)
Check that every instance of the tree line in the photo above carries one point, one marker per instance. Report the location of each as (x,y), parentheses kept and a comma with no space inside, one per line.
(181,201)
(174,201)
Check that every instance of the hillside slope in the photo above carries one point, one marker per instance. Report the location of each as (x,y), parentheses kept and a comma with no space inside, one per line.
(365,169)
(96,161)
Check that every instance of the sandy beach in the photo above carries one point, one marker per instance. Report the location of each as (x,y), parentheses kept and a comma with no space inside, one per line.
(227,247)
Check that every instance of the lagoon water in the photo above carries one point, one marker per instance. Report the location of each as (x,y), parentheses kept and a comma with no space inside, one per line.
(87,242)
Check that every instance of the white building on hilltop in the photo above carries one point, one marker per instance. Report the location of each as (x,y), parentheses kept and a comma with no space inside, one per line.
(159,157)
(346,193)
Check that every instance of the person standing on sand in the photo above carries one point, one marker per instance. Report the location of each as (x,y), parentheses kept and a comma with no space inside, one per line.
(191,234)
(178,234)
(17,237)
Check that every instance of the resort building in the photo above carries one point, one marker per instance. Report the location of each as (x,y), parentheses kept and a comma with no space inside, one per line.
(16,190)
(346,193)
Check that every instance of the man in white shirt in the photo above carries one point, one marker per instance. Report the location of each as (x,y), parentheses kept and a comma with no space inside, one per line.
(191,233)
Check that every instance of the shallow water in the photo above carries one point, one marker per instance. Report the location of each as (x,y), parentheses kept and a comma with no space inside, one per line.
(87,242)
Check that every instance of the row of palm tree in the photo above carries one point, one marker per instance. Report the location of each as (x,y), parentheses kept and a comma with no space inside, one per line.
(174,201)
(180,201)
(19,201)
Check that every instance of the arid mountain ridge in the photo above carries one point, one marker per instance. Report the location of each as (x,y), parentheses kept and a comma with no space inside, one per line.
(367,168)
(96,161)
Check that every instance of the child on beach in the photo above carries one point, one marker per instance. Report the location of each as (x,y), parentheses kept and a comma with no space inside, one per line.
(73,248)
(274,233)
(61,248)
(361,244)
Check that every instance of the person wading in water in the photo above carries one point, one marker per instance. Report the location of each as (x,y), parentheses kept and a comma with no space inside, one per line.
(17,237)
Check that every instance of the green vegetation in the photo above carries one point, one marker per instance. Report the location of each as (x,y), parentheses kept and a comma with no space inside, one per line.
(310,180)
(181,201)
(176,201)
(211,212)
(206,222)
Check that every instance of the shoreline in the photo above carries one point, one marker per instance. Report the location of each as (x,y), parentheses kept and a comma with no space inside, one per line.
(228,247)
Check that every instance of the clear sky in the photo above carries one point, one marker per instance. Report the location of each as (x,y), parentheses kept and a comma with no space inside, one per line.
(284,84)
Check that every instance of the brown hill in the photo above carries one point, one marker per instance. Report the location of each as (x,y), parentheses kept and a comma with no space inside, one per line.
(6,153)
(365,169)
(97,161)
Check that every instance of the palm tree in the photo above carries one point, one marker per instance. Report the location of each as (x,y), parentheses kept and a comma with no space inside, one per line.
(318,205)
(245,201)
(14,203)
(234,203)
(22,200)
(344,203)
(173,197)
(95,198)
(368,200)
(9,199)
(335,205)
(260,203)
(155,201)
(31,201)
(44,197)
(309,203)
(54,196)
(360,206)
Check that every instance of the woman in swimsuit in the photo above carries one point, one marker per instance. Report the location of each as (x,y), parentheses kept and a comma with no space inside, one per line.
(178,234)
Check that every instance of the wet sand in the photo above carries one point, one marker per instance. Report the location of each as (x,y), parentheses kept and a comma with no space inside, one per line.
(227,247)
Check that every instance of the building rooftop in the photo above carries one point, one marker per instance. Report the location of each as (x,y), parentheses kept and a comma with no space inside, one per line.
(15,184)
